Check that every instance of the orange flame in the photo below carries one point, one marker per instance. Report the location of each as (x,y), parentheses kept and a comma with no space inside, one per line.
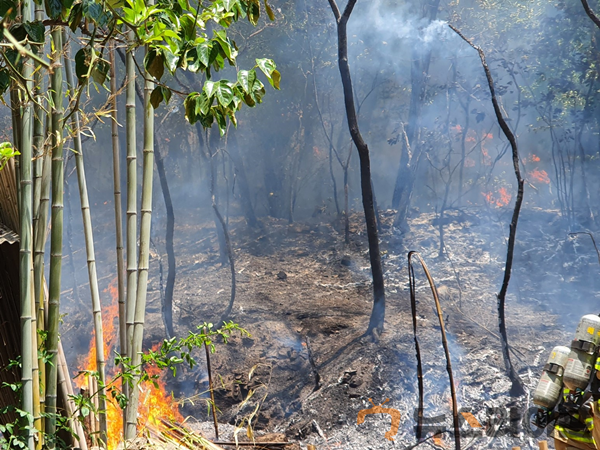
(154,404)
(534,158)
(502,199)
(540,175)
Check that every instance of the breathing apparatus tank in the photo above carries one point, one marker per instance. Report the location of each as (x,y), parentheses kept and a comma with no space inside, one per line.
(581,357)
(549,387)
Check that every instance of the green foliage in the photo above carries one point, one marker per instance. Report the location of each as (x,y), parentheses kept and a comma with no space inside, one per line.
(6,149)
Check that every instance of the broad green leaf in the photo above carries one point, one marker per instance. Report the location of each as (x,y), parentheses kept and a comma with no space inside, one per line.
(221,121)
(156,97)
(75,17)
(154,63)
(253,12)
(188,26)
(4,80)
(171,60)
(83,59)
(224,93)
(246,79)
(193,61)
(275,79)
(210,88)
(269,10)
(53,8)
(100,71)
(266,65)
(6,5)
(166,94)
(204,50)
(229,4)
(190,108)
(18,31)
(35,31)
(202,104)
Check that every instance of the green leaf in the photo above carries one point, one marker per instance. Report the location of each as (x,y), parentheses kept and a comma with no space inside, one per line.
(275,79)
(269,10)
(156,97)
(229,4)
(188,26)
(210,88)
(253,12)
(246,79)
(4,80)
(190,108)
(154,63)
(203,104)
(222,123)
(83,59)
(5,6)
(266,65)
(204,50)
(53,8)
(100,71)
(75,17)
(171,60)
(35,31)
(224,93)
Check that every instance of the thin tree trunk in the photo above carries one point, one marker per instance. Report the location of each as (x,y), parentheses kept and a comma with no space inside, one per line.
(244,186)
(167,307)
(118,202)
(56,237)
(90,254)
(144,258)
(378,312)
(28,344)
(225,231)
(517,385)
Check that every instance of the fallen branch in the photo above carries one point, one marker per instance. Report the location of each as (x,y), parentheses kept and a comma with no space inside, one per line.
(413,305)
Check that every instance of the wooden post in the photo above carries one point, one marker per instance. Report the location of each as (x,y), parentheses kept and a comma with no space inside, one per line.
(543,445)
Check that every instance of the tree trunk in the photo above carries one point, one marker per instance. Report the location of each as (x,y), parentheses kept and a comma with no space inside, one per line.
(517,385)
(378,312)
(167,307)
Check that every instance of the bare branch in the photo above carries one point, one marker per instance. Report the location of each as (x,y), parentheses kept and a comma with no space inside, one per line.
(590,13)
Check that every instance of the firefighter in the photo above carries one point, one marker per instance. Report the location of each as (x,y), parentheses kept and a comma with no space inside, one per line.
(568,392)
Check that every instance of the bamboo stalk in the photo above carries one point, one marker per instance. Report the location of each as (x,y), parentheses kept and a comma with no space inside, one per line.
(67,392)
(28,336)
(91,257)
(56,232)
(117,195)
(131,197)
(35,374)
(144,258)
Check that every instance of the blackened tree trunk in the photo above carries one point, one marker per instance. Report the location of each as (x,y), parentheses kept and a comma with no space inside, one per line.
(378,313)
(517,385)
(409,160)
(167,307)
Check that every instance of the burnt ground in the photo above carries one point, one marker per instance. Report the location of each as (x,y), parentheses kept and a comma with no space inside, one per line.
(305,297)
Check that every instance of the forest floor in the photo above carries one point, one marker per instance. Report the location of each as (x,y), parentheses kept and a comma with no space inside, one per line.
(305,297)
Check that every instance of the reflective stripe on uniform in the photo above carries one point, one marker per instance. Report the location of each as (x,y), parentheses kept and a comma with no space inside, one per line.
(581,436)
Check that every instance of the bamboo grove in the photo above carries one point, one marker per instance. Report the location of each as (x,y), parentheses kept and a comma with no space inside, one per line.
(52,54)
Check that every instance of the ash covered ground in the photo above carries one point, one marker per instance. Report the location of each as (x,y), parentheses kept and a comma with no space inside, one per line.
(305,297)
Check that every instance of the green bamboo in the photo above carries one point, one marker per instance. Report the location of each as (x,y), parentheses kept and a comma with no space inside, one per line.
(56,236)
(146,210)
(131,205)
(91,255)
(15,109)
(131,194)
(28,345)
(39,221)
(117,194)
(35,374)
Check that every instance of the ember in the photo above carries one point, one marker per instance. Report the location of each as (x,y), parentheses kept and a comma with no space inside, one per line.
(540,175)
(502,199)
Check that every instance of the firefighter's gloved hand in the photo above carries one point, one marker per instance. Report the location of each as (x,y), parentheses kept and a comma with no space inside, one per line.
(595,386)
(541,418)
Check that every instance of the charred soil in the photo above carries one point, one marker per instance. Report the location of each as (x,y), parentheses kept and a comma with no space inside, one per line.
(305,297)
